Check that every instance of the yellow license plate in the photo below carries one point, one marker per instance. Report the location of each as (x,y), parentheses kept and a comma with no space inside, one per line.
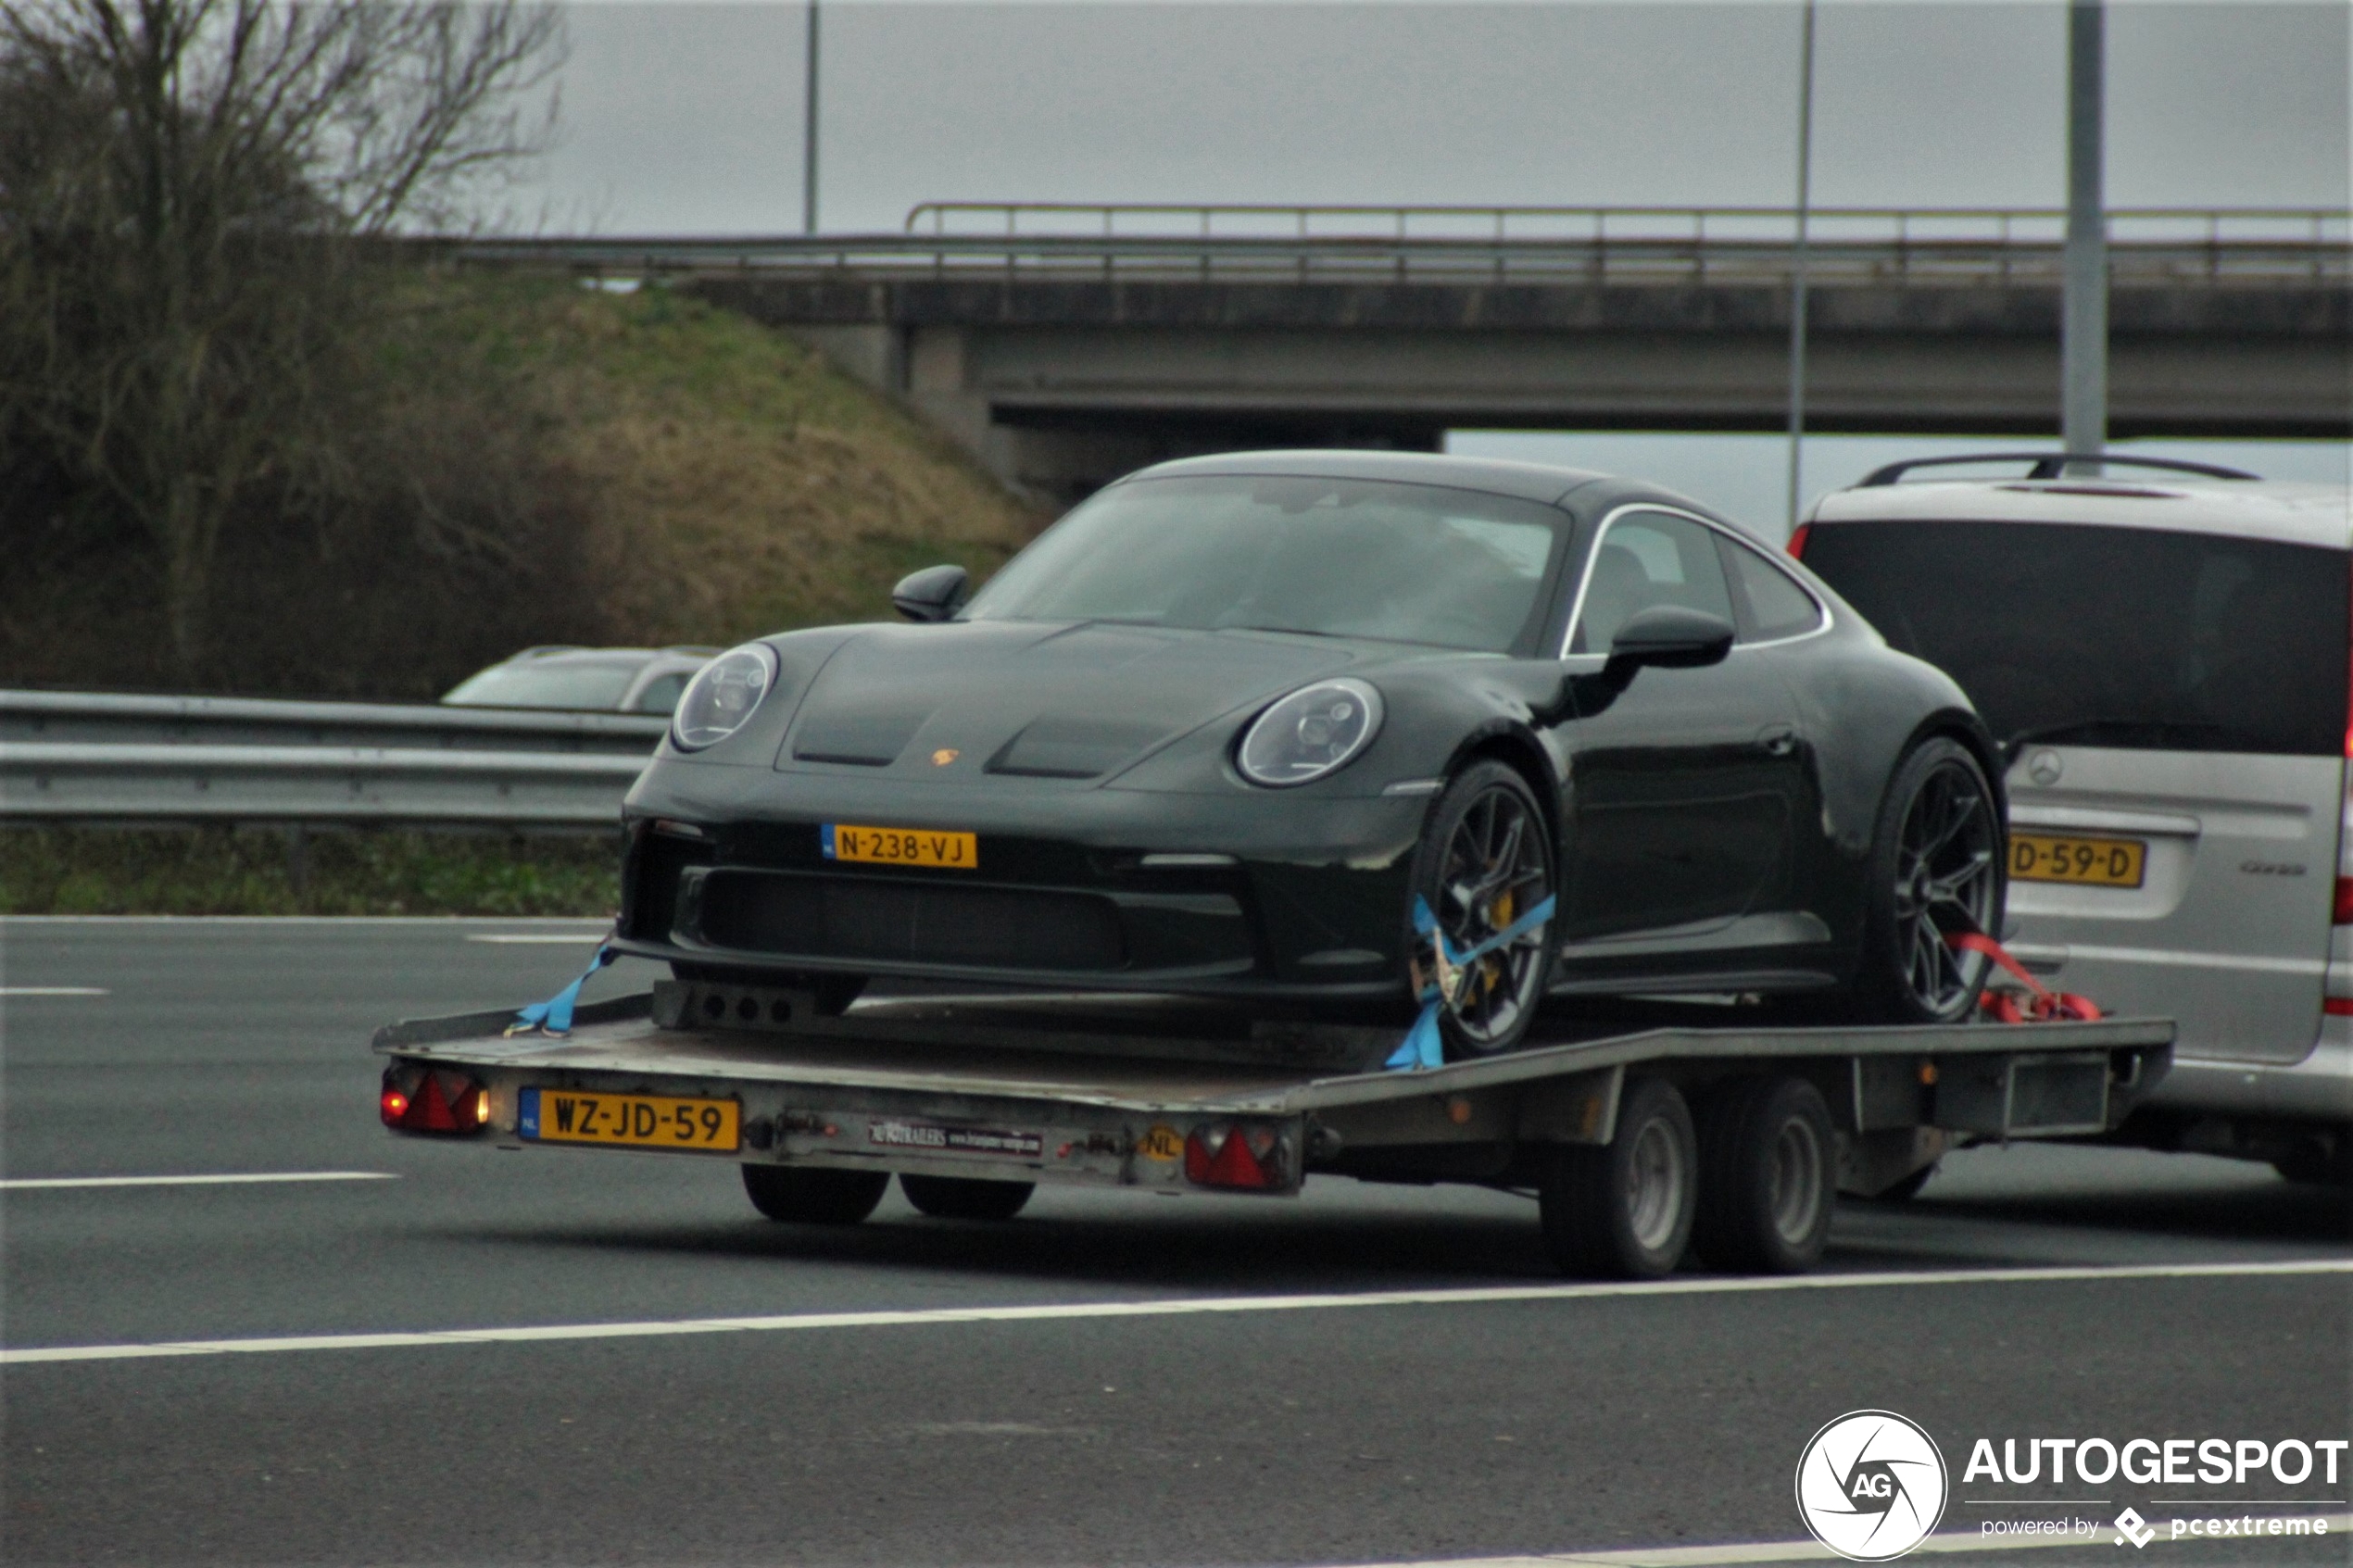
(900,847)
(637,1121)
(2103,862)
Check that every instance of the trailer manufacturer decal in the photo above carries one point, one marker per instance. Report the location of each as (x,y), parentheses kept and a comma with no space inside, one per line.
(954,1140)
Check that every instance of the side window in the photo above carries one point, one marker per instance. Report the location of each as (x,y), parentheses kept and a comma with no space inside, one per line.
(1648,559)
(1777,605)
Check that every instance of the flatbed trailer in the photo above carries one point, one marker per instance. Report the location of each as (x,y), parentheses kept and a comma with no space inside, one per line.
(1639,1128)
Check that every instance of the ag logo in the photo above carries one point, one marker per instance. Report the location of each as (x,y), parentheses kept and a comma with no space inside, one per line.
(1872,1486)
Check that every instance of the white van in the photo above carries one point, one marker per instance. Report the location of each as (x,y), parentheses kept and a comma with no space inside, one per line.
(2166,661)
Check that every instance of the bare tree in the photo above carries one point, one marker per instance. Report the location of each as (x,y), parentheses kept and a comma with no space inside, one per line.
(184,188)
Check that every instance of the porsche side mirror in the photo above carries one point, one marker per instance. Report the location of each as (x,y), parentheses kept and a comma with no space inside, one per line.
(934,593)
(1671,637)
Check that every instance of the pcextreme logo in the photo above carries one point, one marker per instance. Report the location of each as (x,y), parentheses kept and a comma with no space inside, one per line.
(1872,1486)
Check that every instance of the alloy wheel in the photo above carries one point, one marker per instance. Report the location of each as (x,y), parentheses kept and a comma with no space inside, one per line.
(1494,871)
(1946,875)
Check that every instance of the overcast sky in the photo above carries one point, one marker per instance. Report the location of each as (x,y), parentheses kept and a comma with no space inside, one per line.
(685,116)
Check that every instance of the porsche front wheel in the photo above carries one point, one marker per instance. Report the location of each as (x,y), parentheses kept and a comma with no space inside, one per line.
(1485,861)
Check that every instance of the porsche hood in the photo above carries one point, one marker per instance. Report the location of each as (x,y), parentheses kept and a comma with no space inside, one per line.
(1056,701)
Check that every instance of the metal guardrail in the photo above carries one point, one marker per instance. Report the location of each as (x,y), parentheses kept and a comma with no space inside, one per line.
(1244,242)
(106,718)
(69,757)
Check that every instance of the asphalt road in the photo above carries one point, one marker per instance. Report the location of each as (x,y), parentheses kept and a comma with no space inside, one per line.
(1443,1428)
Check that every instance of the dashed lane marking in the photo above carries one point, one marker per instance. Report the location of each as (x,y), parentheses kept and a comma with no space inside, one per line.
(1177,1307)
(16,1183)
(51,991)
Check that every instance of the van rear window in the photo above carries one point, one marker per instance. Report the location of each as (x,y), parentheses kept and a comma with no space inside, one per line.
(2111,636)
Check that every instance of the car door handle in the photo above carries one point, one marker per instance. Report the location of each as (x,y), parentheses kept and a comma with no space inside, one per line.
(1778,740)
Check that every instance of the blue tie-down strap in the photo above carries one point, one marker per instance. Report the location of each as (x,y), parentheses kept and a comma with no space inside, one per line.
(1422,1046)
(554,1015)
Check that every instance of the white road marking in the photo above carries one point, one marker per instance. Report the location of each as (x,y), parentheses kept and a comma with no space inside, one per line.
(569,939)
(17,1183)
(51,991)
(1784,1551)
(1180,1307)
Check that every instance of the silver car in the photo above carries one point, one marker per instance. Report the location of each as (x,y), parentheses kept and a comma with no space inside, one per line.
(2165,657)
(598,680)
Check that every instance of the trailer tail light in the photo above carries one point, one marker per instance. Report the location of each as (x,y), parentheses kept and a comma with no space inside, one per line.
(425,1101)
(1797,542)
(1253,1154)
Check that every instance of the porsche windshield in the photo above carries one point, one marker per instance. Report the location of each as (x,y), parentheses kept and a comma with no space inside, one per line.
(1409,563)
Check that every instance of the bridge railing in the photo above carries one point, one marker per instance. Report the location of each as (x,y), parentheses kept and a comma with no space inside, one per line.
(1245,243)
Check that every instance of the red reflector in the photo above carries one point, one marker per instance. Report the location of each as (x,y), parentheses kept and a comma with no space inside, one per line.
(1797,541)
(1222,1156)
(2345,901)
(429,1106)
(2339,1006)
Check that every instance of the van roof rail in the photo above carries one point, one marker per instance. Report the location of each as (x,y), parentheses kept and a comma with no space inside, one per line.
(2050,465)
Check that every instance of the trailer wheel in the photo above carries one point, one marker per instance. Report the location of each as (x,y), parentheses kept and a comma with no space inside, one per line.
(1623,1211)
(803,1195)
(1768,1176)
(965,1198)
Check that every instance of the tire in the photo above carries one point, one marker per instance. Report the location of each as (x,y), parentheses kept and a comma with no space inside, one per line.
(1624,1211)
(803,1195)
(1938,863)
(833,993)
(1486,856)
(1767,1177)
(964,1197)
(2318,1161)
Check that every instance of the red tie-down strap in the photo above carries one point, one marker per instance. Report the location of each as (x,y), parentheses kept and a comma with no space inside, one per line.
(2041,1006)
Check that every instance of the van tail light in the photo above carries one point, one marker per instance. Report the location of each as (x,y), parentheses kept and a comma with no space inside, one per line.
(2339,1006)
(1251,1155)
(421,1101)
(1797,552)
(2344,824)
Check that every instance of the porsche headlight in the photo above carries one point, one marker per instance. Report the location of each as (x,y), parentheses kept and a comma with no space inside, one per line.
(723,698)
(1309,733)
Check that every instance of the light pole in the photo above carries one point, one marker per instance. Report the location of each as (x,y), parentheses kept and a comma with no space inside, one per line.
(809,126)
(1797,291)
(2083,306)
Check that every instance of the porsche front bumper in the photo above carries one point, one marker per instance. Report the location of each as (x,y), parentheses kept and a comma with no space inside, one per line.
(1265,894)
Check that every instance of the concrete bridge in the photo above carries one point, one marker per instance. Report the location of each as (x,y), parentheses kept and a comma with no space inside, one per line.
(1065,346)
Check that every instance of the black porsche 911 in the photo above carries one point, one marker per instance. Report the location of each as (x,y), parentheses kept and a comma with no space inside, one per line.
(1229,727)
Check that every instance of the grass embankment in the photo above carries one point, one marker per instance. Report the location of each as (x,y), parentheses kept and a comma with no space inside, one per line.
(229,871)
(585,466)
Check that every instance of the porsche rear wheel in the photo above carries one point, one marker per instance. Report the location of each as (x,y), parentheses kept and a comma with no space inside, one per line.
(1936,870)
(1486,859)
